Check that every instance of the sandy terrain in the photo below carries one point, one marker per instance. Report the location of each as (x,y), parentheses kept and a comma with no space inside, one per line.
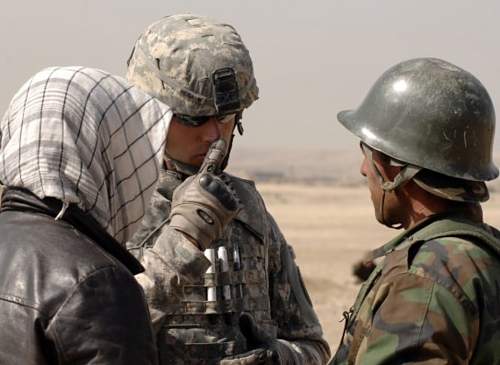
(330,228)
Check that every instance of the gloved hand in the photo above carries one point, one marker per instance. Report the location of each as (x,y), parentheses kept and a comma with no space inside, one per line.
(263,348)
(205,203)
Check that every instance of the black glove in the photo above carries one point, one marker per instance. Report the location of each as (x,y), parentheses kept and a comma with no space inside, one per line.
(262,348)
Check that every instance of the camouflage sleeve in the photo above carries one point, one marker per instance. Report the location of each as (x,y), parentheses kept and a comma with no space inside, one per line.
(154,219)
(300,336)
(425,315)
(169,264)
(166,254)
(173,253)
(418,321)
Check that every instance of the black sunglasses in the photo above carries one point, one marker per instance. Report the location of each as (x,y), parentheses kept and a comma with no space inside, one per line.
(196,121)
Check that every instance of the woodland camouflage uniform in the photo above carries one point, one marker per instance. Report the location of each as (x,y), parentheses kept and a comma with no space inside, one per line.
(435,296)
(434,299)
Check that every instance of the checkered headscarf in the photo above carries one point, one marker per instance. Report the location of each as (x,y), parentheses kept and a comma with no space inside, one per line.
(87,137)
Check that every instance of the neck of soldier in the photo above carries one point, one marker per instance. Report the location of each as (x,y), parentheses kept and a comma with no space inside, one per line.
(183,170)
(418,205)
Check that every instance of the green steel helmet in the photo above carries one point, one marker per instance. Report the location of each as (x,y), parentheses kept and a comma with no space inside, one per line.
(195,65)
(431,114)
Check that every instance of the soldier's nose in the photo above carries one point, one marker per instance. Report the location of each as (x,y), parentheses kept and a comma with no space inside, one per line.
(211,131)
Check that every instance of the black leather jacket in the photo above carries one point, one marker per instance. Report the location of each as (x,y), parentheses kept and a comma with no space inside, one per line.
(67,291)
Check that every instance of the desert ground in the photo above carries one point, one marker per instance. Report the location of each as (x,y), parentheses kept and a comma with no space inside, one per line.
(331,227)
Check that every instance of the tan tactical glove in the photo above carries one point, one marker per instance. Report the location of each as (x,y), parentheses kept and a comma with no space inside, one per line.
(205,203)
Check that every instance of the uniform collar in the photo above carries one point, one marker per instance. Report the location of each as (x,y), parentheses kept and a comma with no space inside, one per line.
(392,244)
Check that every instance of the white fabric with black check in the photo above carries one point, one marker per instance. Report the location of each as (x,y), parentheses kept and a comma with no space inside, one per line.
(85,136)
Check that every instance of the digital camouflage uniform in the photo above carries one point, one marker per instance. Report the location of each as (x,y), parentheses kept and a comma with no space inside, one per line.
(201,69)
(268,285)
(434,299)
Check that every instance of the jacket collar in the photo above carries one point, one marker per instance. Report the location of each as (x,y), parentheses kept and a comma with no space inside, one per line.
(19,199)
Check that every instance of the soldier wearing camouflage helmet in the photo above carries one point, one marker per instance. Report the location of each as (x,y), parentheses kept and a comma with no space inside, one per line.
(426,130)
(221,281)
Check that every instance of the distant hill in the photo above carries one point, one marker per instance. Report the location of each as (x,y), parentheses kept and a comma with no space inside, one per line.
(304,165)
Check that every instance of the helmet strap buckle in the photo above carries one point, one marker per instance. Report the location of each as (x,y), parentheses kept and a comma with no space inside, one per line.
(407,173)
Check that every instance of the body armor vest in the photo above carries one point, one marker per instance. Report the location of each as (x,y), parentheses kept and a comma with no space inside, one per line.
(202,326)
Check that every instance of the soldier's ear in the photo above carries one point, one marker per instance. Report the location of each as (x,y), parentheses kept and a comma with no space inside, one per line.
(389,166)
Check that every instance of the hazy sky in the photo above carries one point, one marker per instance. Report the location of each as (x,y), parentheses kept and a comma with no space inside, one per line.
(311,58)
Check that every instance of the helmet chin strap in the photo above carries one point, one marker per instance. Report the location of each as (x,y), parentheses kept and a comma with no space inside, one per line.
(239,127)
(407,173)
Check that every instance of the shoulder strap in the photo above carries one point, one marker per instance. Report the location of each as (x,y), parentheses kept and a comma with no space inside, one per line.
(482,233)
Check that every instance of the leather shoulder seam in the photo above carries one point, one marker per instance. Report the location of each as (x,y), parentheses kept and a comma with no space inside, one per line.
(20,301)
(77,285)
